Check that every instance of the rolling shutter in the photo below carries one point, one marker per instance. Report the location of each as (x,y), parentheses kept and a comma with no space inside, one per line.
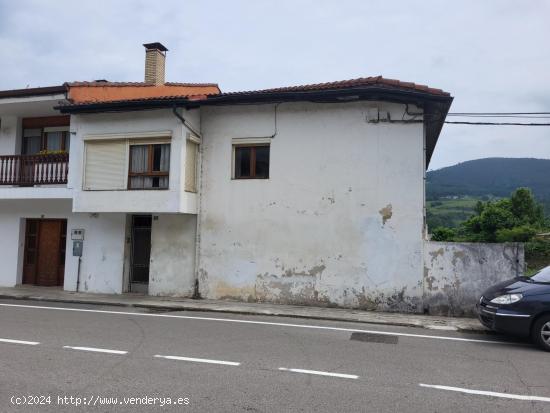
(105,166)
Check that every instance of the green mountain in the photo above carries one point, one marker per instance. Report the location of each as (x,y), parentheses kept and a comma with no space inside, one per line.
(490,176)
(452,192)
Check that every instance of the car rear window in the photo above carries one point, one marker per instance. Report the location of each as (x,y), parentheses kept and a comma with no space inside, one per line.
(543,276)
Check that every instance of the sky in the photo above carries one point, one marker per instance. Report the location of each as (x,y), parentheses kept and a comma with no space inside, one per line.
(491,55)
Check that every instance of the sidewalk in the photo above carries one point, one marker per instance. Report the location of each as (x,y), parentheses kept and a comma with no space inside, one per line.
(53,294)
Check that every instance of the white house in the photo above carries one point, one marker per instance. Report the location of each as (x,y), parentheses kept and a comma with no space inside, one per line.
(307,195)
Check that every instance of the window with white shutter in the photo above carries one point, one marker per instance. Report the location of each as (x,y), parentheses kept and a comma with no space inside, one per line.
(105,166)
(191,157)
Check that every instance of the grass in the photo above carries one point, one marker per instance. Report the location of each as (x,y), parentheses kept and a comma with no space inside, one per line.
(450,212)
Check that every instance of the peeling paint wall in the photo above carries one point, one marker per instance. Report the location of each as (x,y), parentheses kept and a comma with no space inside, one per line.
(456,274)
(339,221)
(172,266)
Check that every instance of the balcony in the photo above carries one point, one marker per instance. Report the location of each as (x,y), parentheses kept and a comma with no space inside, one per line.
(30,170)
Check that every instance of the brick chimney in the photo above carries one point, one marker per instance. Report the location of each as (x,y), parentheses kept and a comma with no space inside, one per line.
(155,57)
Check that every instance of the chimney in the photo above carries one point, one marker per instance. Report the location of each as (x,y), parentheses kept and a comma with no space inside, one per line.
(155,56)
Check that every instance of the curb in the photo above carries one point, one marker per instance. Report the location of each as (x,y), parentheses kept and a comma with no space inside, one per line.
(183,307)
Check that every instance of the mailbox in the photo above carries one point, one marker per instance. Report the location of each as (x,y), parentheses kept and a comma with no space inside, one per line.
(77,248)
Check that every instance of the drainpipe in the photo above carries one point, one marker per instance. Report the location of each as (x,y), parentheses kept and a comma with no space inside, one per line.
(184,122)
(78,275)
(188,126)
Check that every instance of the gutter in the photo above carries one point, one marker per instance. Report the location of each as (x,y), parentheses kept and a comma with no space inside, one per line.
(325,96)
(35,91)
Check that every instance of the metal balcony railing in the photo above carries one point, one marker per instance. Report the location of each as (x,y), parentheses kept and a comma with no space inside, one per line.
(28,170)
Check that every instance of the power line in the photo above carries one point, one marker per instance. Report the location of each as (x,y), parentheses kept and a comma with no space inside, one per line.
(496,113)
(504,116)
(498,123)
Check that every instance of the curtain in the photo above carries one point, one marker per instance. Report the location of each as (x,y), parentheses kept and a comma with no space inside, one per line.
(53,141)
(139,157)
(164,158)
(33,141)
(147,182)
(32,145)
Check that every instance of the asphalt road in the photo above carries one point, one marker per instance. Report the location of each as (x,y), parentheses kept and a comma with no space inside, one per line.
(216,362)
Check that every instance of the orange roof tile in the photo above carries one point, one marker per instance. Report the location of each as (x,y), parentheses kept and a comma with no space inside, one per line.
(101,91)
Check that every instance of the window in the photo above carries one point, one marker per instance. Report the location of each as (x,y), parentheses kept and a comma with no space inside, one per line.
(46,133)
(251,162)
(149,166)
(105,165)
(32,141)
(191,157)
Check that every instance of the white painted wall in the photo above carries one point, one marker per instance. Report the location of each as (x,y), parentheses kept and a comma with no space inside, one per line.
(153,201)
(102,265)
(9,134)
(172,266)
(103,257)
(314,232)
(12,227)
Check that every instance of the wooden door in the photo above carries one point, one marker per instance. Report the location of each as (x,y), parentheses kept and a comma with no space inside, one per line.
(44,252)
(31,251)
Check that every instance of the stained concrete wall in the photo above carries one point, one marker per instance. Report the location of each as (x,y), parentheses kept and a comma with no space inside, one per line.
(172,266)
(338,222)
(456,274)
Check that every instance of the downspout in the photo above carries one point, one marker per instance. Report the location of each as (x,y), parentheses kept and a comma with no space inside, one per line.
(184,122)
(425,235)
(196,291)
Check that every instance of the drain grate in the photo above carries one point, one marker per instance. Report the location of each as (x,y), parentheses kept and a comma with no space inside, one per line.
(374,338)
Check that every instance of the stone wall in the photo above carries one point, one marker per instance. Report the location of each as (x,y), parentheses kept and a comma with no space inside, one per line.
(456,274)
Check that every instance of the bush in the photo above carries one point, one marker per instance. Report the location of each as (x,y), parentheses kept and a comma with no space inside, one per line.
(517,234)
(443,234)
(537,255)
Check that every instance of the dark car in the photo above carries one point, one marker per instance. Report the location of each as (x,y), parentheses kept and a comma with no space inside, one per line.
(520,306)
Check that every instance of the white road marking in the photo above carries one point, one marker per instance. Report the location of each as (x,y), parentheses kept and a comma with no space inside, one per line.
(488,393)
(321,373)
(9,340)
(226,363)
(231,320)
(97,350)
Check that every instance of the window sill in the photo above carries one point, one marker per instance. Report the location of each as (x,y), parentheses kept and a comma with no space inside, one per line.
(250,179)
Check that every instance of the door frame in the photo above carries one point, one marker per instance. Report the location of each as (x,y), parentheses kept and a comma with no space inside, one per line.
(137,286)
(31,279)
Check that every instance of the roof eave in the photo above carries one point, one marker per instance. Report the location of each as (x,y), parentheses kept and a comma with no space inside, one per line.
(436,106)
(35,91)
(323,96)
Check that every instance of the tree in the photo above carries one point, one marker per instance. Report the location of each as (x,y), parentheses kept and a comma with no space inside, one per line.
(517,218)
(525,208)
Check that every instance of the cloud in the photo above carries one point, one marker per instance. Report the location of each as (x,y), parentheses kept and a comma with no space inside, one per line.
(492,56)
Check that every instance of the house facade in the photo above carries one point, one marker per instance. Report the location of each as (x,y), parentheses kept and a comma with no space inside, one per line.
(305,195)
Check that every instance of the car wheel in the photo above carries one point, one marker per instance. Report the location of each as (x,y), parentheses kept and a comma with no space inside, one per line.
(541,332)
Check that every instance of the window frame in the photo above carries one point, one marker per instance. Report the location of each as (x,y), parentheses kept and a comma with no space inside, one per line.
(46,124)
(150,161)
(44,139)
(252,146)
